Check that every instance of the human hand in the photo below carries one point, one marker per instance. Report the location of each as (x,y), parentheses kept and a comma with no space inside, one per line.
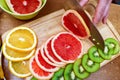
(101,11)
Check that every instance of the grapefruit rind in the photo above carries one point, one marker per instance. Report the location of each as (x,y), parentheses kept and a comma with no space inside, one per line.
(57,63)
(56,54)
(17,48)
(17,74)
(48,60)
(82,21)
(9,4)
(35,74)
(18,58)
(40,64)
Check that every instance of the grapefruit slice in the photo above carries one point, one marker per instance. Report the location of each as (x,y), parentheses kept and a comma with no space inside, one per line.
(37,71)
(49,53)
(24,6)
(67,47)
(42,63)
(44,56)
(73,22)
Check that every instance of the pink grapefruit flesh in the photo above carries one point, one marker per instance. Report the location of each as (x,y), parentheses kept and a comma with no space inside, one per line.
(73,22)
(38,72)
(42,63)
(24,6)
(67,47)
(50,54)
(47,59)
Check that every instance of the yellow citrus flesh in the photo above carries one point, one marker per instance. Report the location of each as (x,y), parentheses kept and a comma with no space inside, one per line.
(15,55)
(21,38)
(20,69)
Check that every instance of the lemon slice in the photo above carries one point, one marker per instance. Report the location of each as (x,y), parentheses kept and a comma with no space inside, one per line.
(15,55)
(20,69)
(21,38)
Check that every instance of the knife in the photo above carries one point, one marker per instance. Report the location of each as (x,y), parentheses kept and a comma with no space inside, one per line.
(95,37)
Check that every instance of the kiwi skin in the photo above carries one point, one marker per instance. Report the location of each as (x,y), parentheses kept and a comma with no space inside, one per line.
(59,74)
(94,55)
(82,74)
(69,73)
(89,68)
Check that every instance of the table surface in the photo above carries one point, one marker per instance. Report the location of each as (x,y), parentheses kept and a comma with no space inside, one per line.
(111,71)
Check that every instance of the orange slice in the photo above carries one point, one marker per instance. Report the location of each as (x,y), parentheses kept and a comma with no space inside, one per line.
(15,55)
(20,69)
(22,39)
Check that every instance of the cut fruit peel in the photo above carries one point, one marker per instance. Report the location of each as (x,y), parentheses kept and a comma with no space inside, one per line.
(42,63)
(50,54)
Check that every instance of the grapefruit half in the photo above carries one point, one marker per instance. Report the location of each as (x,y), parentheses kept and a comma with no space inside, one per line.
(73,22)
(67,47)
(24,6)
(38,72)
(42,63)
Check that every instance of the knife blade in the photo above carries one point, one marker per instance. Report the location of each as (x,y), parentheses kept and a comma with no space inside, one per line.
(95,37)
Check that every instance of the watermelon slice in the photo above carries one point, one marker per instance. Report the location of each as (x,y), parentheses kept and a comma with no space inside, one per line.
(50,54)
(42,63)
(73,22)
(38,72)
(24,6)
(67,47)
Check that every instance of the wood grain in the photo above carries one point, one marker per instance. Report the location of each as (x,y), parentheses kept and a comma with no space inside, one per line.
(50,25)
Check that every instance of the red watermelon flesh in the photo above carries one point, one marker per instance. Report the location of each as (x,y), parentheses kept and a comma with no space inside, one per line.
(67,47)
(42,63)
(50,54)
(73,22)
(25,6)
(37,71)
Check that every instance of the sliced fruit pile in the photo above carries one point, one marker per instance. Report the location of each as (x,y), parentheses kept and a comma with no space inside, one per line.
(89,63)
(18,47)
(24,6)
(58,51)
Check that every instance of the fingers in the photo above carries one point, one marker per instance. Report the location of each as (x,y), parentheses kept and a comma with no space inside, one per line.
(102,10)
(83,2)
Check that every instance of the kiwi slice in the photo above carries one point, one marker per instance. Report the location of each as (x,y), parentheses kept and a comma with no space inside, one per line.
(69,73)
(58,75)
(79,71)
(113,44)
(89,65)
(94,55)
(107,53)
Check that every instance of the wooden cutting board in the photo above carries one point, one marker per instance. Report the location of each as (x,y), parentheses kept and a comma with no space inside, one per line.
(50,25)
